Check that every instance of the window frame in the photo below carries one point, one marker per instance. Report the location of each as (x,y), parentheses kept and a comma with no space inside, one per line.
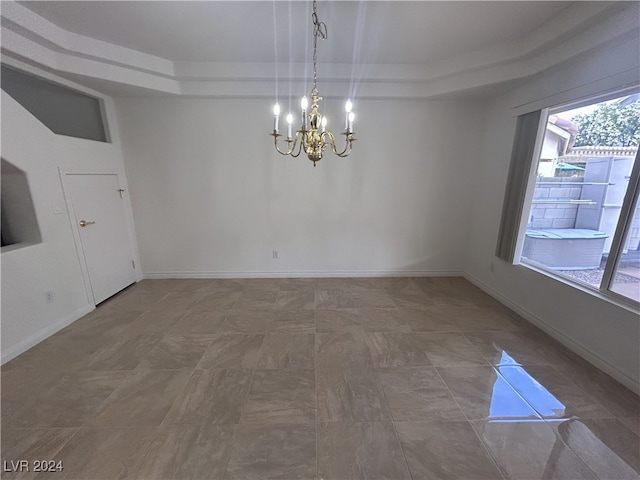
(623,225)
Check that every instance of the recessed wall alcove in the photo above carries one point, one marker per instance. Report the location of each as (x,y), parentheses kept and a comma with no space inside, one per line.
(19,223)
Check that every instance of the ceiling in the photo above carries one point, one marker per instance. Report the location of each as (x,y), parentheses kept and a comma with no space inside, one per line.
(386,32)
(374,49)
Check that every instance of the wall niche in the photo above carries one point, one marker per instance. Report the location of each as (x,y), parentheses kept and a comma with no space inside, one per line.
(19,223)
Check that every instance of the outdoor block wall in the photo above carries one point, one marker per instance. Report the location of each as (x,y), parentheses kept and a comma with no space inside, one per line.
(555,215)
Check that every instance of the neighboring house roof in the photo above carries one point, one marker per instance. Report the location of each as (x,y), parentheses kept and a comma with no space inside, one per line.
(581,154)
(565,129)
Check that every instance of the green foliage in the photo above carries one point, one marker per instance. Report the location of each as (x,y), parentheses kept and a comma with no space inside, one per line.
(609,125)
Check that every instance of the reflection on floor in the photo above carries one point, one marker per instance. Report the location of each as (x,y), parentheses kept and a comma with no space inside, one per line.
(313,378)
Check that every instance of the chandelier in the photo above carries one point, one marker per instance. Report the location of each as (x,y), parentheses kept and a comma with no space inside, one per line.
(313,136)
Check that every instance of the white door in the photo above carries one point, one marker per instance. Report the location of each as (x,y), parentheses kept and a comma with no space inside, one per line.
(99,213)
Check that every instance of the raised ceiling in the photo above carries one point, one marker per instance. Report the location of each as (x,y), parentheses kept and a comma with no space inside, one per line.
(239,48)
(364,32)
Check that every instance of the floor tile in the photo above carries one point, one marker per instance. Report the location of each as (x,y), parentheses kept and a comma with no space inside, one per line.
(604,444)
(175,301)
(288,284)
(479,319)
(99,323)
(338,320)
(248,321)
(334,299)
(373,298)
(273,451)
(144,398)
(175,351)
(232,351)
(603,389)
(21,389)
(256,300)
(507,348)
(183,452)
(123,353)
(342,350)
(413,299)
(550,393)
(160,321)
(360,451)
(234,378)
(100,453)
(200,322)
(483,394)
(133,300)
(281,396)
(339,283)
(295,300)
(383,319)
(32,444)
(450,349)
(219,301)
(397,349)
(294,321)
(211,397)
(261,284)
(398,284)
(633,423)
(69,402)
(350,395)
(56,354)
(418,393)
(445,450)
(530,451)
(288,350)
(425,320)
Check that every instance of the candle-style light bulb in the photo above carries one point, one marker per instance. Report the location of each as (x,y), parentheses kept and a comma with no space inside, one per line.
(350,124)
(323,122)
(304,103)
(289,122)
(347,108)
(276,116)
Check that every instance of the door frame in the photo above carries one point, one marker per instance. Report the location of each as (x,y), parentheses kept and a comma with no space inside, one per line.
(73,220)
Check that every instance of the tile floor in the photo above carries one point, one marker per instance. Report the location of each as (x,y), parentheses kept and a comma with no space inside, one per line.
(382,378)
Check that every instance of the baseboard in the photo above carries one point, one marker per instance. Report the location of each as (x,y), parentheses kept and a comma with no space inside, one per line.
(581,350)
(43,334)
(306,274)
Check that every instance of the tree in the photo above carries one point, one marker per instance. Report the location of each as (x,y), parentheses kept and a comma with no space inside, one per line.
(609,125)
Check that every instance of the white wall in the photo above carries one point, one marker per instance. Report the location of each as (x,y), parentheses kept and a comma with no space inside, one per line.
(53,264)
(605,334)
(211,197)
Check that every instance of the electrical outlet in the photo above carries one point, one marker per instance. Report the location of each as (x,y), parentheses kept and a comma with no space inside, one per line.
(48,295)
(275,255)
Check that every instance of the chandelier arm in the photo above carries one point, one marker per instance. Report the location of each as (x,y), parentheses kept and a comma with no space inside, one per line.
(332,143)
(292,144)
(301,134)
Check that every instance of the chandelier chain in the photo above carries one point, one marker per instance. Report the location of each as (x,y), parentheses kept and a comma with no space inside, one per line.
(319,30)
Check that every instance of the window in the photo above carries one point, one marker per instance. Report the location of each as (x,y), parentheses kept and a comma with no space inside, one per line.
(578,194)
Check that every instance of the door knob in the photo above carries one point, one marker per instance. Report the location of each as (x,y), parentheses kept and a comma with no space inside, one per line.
(84,223)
